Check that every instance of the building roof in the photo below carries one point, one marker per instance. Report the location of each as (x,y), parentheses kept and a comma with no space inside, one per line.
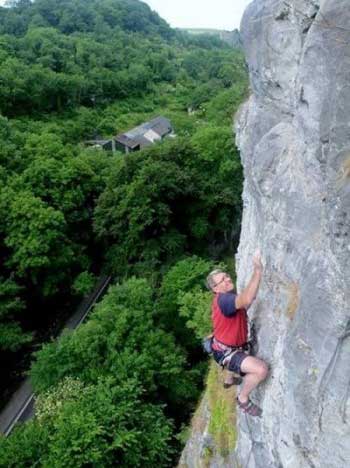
(125,140)
(146,133)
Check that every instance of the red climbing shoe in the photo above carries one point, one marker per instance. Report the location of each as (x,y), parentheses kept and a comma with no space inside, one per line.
(250,408)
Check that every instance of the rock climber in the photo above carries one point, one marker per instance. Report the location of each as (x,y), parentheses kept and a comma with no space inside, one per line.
(230,333)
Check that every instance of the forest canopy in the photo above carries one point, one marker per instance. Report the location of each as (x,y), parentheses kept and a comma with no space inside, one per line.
(76,70)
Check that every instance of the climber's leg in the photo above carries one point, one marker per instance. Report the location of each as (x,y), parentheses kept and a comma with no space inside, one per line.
(256,371)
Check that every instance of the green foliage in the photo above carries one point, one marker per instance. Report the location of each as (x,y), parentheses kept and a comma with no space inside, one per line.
(120,347)
(35,235)
(100,424)
(96,16)
(170,199)
(219,109)
(25,445)
(121,340)
(181,286)
(9,297)
(195,306)
(45,210)
(83,283)
(222,424)
(203,93)
(137,210)
(11,305)
(119,48)
(49,68)
(48,403)
(108,425)
(115,391)
(183,277)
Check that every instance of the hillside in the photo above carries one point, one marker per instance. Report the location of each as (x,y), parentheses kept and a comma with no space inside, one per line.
(293,134)
(76,70)
(233,38)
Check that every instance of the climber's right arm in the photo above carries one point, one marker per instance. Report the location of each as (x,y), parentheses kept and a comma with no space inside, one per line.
(247,296)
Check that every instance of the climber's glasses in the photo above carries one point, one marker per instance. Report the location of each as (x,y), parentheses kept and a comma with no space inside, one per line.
(225,277)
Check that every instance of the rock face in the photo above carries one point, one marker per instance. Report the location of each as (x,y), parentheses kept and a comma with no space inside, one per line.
(294,137)
(233,38)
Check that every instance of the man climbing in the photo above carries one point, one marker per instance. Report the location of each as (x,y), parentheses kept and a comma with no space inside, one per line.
(230,326)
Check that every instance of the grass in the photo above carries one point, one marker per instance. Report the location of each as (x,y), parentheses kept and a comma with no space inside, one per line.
(222,425)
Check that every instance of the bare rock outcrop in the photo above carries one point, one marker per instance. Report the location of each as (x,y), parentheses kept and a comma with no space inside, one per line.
(294,137)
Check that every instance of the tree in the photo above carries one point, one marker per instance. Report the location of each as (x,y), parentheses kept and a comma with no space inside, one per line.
(35,236)
(222,191)
(121,340)
(117,389)
(195,307)
(169,199)
(11,334)
(180,289)
(142,204)
(27,443)
(101,424)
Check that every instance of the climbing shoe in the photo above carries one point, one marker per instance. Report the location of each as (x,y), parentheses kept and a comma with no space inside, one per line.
(250,408)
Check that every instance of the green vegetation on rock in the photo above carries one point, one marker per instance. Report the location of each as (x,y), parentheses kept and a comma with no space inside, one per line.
(222,425)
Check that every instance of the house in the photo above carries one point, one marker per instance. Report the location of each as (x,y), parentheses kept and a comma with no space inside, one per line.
(107,145)
(144,135)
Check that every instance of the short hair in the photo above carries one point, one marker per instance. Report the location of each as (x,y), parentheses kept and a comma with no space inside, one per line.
(210,278)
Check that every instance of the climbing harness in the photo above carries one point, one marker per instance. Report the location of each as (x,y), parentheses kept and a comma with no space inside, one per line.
(230,351)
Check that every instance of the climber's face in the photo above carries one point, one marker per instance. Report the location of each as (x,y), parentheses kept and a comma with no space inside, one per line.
(222,283)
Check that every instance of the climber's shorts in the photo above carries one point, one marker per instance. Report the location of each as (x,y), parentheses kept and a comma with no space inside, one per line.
(235,362)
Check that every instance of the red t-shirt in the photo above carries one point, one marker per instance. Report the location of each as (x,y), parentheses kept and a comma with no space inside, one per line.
(229,324)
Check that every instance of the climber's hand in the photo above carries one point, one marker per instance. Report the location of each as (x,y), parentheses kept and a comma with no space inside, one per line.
(257,261)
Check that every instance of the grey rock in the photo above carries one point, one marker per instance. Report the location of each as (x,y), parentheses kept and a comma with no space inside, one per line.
(233,38)
(294,138)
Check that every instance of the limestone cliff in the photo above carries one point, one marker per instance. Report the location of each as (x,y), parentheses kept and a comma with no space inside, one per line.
(294,137)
